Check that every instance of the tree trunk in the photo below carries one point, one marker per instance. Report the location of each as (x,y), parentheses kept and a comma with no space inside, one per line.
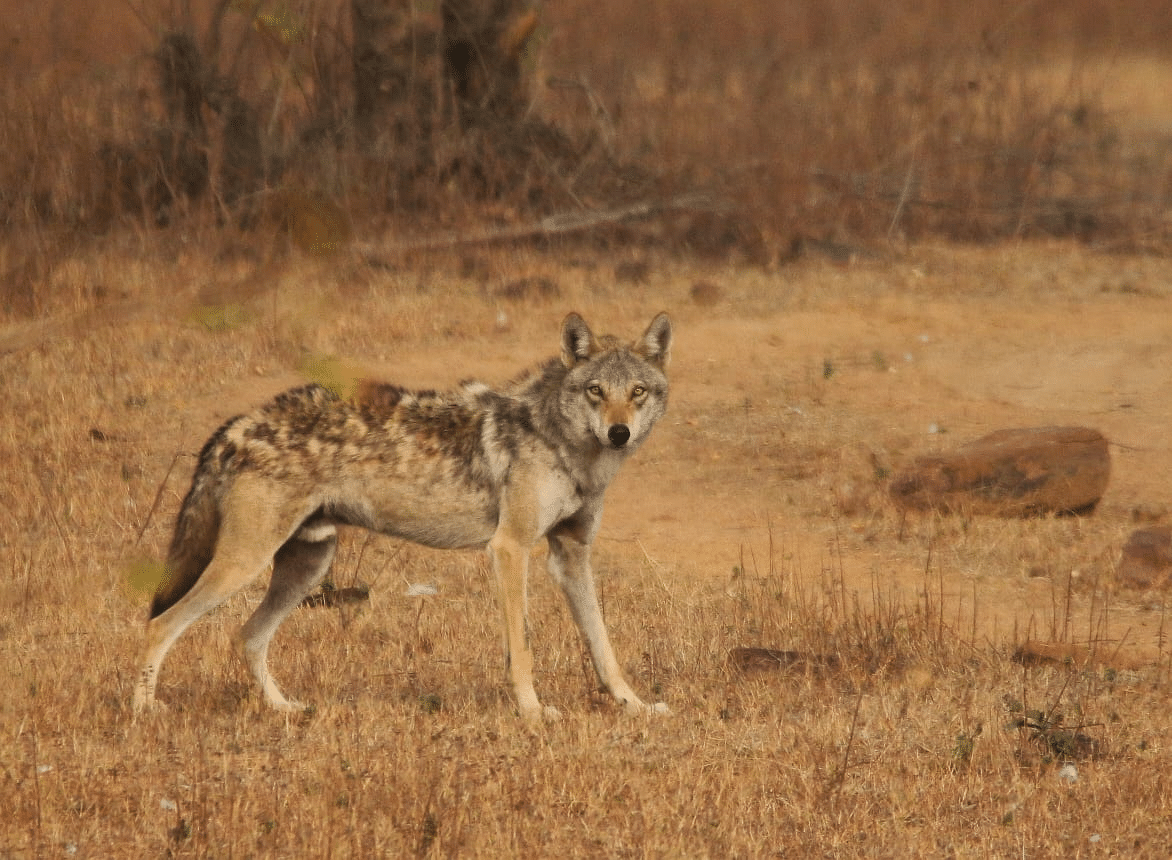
(483,44)
(396,77)
(404,59)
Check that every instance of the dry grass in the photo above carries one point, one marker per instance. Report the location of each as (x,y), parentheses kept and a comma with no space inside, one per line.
(904,733)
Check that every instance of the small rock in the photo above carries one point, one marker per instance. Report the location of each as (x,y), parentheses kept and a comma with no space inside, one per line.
(632,272)
(535,287)
(1146,561)
(705,293)
(1148,513)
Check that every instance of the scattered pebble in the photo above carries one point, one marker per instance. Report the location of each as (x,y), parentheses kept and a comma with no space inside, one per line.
(632,272)
(705,293)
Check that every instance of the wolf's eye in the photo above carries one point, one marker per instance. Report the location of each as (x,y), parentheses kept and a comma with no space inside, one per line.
(594,390)
(638,391)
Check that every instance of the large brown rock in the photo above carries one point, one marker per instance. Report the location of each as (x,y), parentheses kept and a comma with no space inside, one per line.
(1010,473)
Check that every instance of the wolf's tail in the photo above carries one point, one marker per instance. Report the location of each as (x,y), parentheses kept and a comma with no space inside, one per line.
(196,529)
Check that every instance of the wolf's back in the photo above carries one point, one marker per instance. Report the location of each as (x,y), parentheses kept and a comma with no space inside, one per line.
(198,525)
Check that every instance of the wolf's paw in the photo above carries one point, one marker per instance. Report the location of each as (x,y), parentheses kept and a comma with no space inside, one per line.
(147,709)
(540,714)
(638,708)
(143,701)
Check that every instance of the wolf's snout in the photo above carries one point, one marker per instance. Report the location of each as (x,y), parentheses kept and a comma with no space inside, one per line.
(618,435)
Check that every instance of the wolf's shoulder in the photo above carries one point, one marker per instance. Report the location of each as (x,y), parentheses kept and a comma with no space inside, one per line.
(535,381)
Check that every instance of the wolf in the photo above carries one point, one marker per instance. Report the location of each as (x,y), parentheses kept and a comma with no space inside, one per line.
(474,467)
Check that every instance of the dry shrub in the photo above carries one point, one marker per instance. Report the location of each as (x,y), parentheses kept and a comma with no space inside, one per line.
(876,119)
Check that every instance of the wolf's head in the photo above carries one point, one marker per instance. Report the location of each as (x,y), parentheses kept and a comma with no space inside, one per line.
(613,392)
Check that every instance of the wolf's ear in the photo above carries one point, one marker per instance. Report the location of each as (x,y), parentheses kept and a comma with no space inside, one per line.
(578,342)
(655,345)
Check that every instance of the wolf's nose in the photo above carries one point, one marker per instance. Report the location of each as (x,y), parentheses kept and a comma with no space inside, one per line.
(619,434)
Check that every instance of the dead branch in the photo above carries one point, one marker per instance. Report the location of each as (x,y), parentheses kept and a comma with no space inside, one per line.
(559,224)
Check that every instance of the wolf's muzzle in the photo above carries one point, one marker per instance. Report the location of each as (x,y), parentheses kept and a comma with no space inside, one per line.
(618,435)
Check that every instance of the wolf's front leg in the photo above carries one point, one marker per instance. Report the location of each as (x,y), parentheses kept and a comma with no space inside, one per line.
(569,565)
(510,562)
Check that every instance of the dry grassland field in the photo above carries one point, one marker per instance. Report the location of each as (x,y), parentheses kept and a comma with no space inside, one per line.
(756,516)
(916,684)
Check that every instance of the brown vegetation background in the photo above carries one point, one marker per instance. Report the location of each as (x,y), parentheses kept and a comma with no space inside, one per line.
(972,121)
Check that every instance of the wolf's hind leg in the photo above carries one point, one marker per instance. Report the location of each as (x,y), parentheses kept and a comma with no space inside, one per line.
(237,561)
(299,565)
